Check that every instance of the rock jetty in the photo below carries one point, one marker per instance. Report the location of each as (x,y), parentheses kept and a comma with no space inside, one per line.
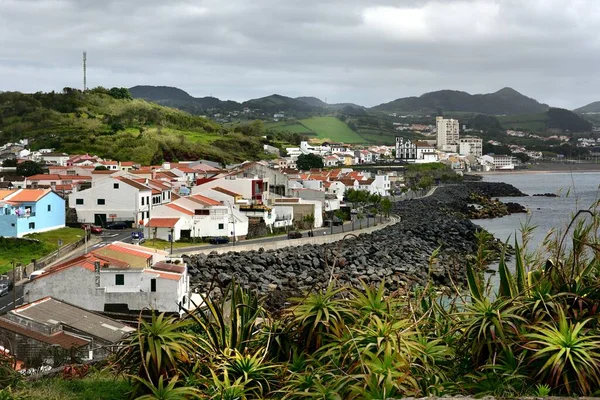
(399,254)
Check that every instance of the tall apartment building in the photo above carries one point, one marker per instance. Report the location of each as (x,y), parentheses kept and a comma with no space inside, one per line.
(447,134)
(470,145)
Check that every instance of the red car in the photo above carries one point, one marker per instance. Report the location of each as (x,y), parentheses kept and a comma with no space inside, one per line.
(92,228)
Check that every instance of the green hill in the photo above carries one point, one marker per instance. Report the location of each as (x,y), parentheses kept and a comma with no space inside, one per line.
(555,118)
(111,124)
(175,97)
(278,103)
(590,108)
(505,101)
(324,128)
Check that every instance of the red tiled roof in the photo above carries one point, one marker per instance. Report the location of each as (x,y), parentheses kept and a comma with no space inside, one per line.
(226,191)
(202,181)
(186,170)
(162,222)
(155,191)
(133,183)
(127,163)
(205,200)
(61,339)
(168,267)
(164,275)
(180,209)
(103,172)
(27,195)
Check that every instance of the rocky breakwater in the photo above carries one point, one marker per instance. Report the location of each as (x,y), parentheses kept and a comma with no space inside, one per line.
(399,254)
(484,204)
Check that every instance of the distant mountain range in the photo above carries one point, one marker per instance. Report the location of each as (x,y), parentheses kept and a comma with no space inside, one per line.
(590,108)
(505,101)
(175,97)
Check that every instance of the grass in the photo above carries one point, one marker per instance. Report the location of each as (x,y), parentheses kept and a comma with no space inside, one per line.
(96,386)
(324,128)
(23,251)
(160,244)
(526,122)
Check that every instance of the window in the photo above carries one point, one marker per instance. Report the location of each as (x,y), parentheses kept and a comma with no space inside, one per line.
(153,285)
(119,279)
(115,185)
(201,212)
(49,207)
(79,201)
(163,196)
(32,225)
(101,202)
(221,226)
(143,199)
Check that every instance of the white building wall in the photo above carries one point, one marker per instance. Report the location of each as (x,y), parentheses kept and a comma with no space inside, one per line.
(447,132)
(125,203)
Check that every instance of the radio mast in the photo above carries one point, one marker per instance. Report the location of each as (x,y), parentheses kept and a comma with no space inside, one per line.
(84,71)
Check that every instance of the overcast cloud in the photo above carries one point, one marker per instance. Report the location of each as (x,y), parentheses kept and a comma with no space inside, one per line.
(362,51)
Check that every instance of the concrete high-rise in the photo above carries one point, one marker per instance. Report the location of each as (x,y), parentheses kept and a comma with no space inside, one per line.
(447,133)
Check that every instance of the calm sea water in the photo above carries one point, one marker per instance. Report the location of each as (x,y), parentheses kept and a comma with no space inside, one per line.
(576,190)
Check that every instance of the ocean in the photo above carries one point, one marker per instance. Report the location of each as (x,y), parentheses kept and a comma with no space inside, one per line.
(577,190)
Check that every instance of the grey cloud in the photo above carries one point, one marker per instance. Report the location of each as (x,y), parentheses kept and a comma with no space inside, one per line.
(361,51)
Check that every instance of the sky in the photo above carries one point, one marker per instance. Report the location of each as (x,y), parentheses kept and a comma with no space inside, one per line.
(362,51)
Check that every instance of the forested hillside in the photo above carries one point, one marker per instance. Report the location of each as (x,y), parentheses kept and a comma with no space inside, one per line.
(111,124)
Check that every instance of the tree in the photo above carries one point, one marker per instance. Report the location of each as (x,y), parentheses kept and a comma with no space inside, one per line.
(310,221)
(386,206)
(29,168)
(307,161)
(9,162)
(101,168)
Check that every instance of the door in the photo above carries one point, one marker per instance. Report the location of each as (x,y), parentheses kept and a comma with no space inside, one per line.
(100,220)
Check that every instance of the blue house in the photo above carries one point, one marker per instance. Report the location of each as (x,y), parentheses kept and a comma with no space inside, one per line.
(25,211)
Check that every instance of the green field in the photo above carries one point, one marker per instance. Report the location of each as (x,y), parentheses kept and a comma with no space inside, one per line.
(526,122)
(324,128)
(23,251)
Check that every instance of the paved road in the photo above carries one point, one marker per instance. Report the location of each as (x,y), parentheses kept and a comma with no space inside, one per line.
(6,302)
(347,227)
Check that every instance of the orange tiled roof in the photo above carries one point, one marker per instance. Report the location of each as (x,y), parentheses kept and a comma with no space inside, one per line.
(27,195)
(4,193)
(205,200)
(180,209)
(162,222)
(123,249)
(225,191)
(164,275)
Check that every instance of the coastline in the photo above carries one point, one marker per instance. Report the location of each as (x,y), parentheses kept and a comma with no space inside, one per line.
(547,168)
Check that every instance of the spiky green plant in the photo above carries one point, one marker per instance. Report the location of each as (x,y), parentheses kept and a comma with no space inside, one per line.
(228,323)
(566,355)
(160,391)
(318,314)
(159,348)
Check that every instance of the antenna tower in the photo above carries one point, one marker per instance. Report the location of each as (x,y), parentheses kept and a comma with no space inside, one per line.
(84,71)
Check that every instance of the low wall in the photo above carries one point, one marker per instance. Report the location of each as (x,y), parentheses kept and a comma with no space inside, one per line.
(22,272)
(278,244)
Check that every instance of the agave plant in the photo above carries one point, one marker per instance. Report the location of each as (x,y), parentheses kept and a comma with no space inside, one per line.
(157,349)
(318,314)
(160,391)
(258,374)
(229,323)
(488,327)
(566,355)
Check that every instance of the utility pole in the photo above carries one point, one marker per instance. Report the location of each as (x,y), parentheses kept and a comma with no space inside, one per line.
(14,285)
(84,71)
(171,237)
(86,238)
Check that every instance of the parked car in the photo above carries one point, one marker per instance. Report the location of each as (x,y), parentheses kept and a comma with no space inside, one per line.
(5,280)
(294,235)
(118,225)
(218,240)
(336,221)
(3,289)
(92,228)
(137,237)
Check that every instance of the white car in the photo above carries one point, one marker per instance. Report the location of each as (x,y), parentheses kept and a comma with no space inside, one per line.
(3,289)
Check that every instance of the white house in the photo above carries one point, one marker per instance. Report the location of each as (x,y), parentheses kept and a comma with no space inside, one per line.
(251,188)
(331,161)
(196,216)
(55,158)
(301,208)
(117,277)
(113,199)
(499,162)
